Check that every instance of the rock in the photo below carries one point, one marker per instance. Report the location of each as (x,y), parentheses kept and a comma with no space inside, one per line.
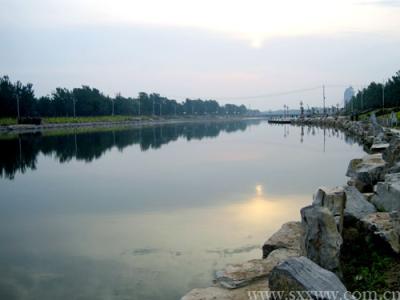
(368,196)
(288,236)
(387,197)
(395,168)
(218,293)
(392,154)
(357,206)
(377,148)
(322,240)
(368,169)
(301,274)
(238,275)
(331,198)
(384,226)
(359,185)
(369,140)
(395,216)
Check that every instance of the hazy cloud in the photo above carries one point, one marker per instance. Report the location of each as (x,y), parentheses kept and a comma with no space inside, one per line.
(130,47)
(392,3)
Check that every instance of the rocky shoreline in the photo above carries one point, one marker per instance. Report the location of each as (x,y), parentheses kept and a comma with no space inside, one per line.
(347,239)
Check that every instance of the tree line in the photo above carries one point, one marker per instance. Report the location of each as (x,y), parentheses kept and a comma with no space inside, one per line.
(376,96)
(87,101)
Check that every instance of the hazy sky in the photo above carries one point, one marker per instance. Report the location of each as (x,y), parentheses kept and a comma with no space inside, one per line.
(231,51)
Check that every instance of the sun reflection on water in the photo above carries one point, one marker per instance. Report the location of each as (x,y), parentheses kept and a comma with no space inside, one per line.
(270,210)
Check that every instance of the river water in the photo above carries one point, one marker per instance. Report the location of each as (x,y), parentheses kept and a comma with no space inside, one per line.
(151,213)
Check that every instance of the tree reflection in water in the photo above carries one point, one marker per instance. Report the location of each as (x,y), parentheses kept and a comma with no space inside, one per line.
(20,153)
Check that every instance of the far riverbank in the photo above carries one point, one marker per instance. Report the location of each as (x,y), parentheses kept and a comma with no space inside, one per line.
(128,122)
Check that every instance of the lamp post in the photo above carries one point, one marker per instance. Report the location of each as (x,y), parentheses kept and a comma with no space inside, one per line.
(323,98)
(383,95)
(73,105)
(18,113)
(362,98)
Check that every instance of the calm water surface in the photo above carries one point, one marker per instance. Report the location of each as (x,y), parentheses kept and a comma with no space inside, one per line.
(150,213)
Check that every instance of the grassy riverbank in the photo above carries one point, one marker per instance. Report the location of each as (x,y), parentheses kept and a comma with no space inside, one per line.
(380,113)
(62,124)
(67,120)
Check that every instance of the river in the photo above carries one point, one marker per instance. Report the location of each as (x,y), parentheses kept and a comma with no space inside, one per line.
(150,213)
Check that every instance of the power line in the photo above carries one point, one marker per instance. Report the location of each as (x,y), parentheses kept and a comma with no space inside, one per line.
(276,94)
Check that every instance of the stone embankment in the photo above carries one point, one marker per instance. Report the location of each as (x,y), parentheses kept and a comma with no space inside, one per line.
(315,254)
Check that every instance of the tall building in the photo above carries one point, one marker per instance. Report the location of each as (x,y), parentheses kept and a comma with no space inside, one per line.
(348,94)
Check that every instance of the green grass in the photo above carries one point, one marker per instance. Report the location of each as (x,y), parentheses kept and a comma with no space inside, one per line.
(366,264)
(66,131)
(380,114)
(8,121)
(58,120)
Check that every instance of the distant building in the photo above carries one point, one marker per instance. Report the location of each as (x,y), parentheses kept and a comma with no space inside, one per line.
(348,94)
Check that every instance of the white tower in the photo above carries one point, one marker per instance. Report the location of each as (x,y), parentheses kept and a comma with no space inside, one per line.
(348,94)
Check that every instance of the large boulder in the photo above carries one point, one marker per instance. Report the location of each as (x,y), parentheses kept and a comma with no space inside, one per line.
(395,168)
(333,199)
(369,169)
(288,237)
(392,153)
(378,148)
(387,196)
(322,240)
(219,293)
(356,206)
(344,203)
(395,216)
(384,228)
(301,274)
(238,275)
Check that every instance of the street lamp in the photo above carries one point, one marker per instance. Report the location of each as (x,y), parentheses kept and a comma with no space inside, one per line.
(73,105)
(17,95)
(383,95)
(323,96)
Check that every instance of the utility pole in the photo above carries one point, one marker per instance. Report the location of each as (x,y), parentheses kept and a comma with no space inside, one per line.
(323,96)
(139,106)
(112,111)
(383,95)
(362,99)
(18,114)
(153,108)
(352,106)
(73,105)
